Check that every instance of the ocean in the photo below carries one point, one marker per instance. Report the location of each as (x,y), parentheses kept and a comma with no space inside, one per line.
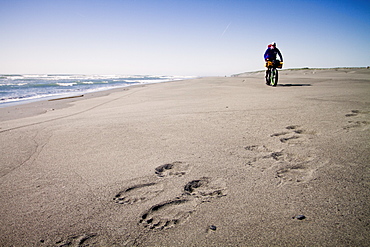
(15,89)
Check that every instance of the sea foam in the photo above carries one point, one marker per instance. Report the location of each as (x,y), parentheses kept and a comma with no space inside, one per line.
(21,88)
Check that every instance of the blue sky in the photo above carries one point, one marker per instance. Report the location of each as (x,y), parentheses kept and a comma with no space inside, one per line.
(179,37)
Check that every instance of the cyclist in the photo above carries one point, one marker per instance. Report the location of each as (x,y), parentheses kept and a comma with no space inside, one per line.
(270,55)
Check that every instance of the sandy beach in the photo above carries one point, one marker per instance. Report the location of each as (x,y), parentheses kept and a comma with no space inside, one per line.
(216,161)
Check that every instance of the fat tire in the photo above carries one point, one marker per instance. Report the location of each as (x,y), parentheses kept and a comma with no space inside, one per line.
(268,77)
(273,76)
(276,78)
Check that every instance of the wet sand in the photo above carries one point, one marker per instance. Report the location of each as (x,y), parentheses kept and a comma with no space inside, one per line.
(203,162)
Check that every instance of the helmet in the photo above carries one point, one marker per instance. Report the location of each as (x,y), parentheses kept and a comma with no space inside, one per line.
(273,44)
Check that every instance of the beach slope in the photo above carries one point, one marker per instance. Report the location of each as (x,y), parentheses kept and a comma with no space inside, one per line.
(203,162)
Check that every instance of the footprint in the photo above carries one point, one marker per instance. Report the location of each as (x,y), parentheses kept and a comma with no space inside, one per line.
(292,127)
(288,139)
(205,188)
(294,135)
(353,113)
(260,153)
(357,124)
(138,193)
(174,212)
(279,134)
(277,155)
(77,240)
(177,169)
(364,124)
(257,148)
(294,174)
(168,214)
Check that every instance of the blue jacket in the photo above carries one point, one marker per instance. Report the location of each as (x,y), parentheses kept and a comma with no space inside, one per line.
(271,54)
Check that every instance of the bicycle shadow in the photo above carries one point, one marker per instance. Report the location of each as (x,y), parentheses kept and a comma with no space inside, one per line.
(293,85)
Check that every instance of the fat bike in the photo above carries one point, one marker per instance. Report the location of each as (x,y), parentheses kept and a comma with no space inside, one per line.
(272,74)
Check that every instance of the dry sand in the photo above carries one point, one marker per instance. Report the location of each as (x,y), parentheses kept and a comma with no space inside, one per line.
(203,162)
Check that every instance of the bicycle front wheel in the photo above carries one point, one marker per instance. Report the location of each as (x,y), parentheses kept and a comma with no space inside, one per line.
(268,76)
(274,77)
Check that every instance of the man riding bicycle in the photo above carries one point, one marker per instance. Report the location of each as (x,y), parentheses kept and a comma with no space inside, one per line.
(271,52)
(270,55)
